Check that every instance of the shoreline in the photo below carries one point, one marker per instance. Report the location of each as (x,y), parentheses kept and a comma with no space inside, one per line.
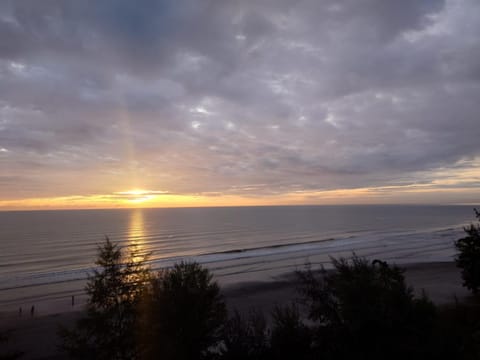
(51,291)
(441,281)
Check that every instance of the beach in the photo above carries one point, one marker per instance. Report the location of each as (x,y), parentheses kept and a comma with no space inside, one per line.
(441,281)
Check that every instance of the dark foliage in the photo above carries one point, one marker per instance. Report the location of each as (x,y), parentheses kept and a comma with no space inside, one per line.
(250,338)
(246,338)
(457,332)
(468,257)
(114,290)
(366,310)
(184,314)
(290,337)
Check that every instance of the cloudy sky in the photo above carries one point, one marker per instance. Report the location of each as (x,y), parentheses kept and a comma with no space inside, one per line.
(218,102)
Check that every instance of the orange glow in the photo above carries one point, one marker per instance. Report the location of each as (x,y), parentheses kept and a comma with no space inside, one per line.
(136,234)
(138,198)
(133,192)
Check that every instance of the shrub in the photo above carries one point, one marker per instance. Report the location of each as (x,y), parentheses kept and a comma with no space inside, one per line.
(290,338)
(184,314)
(365,310)
(468,257)
(246,338)
(249,337)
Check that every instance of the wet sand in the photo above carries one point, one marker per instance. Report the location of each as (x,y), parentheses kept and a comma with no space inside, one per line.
(36,335)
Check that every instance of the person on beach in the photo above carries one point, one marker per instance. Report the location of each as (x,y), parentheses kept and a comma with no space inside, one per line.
(73,300)
(32,310)
(20,311)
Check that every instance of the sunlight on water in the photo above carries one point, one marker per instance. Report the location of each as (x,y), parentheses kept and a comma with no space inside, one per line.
(136,233)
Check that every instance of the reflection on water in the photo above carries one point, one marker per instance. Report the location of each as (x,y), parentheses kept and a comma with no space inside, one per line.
(136,233)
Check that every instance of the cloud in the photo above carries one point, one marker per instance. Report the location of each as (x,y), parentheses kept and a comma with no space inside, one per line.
(219,97)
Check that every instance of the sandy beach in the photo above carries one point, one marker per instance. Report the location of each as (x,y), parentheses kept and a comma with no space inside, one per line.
(37,335)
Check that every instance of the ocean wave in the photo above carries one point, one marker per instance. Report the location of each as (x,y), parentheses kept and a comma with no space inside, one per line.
(401,246)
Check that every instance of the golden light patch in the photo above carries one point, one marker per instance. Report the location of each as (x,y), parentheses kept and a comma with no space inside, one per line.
(134,192)
(139,198)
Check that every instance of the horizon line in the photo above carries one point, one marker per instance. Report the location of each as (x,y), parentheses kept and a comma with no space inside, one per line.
(474,205)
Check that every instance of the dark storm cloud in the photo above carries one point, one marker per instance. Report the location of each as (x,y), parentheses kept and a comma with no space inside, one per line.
(252,97)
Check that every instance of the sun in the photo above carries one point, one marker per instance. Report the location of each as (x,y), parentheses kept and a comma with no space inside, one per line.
(137,195)
(134,192)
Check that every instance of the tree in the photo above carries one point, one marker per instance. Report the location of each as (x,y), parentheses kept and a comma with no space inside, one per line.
(246,338)
(114,290)
(365,309)
(290,338)
(250,338)
(184,314)
(468,257)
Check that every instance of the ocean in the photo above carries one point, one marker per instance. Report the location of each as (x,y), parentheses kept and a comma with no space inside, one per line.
(46,256)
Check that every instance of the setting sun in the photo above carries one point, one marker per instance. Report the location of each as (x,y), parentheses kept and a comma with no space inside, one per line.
(138,196)
(134,192)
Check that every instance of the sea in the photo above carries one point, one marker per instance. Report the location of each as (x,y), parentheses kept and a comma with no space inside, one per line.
(47,256)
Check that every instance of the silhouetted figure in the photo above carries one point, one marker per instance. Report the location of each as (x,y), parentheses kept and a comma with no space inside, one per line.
(73,300)
(20,311)
(32,310)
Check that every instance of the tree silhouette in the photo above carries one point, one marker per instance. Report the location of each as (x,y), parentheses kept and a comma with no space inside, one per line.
(290,338)
(468,257)
(184,314)
(114,290)
(365,309)
(246,338)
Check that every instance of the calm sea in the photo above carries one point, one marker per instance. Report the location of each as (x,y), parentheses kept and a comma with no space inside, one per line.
(48,254)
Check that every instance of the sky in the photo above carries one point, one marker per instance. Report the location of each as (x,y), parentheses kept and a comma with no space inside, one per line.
(120,103)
